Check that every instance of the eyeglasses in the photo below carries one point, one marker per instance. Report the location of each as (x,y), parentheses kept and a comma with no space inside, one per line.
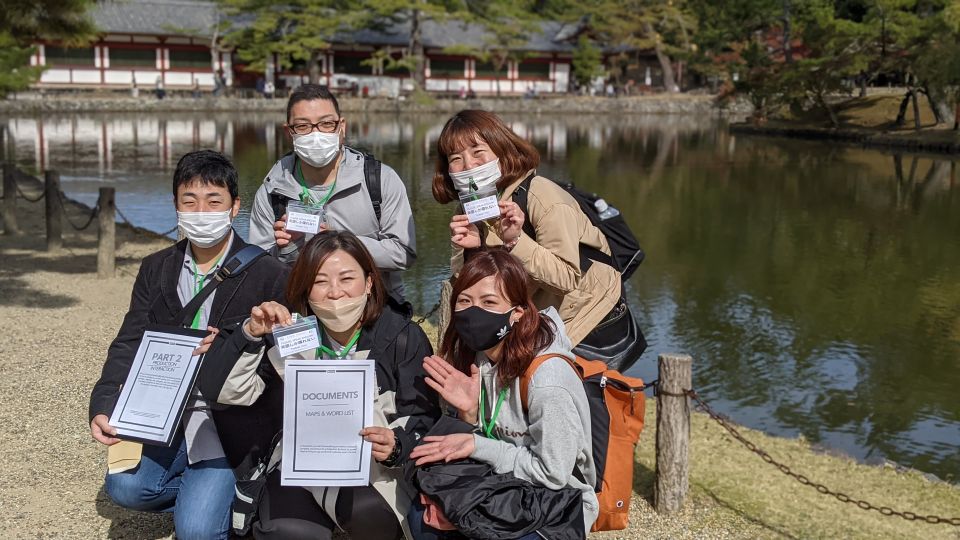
(323,126)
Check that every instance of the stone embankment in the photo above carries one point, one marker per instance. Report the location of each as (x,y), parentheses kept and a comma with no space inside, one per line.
(929,141)
(653,104)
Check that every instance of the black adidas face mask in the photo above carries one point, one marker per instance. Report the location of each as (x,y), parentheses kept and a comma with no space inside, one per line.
(480,329)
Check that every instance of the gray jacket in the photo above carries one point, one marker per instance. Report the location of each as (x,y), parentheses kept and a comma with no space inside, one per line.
(544,445)
(392,241)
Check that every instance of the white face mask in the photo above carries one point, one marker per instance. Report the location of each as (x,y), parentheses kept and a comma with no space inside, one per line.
(340,315)
(317,149)
(204,229)
(482,176)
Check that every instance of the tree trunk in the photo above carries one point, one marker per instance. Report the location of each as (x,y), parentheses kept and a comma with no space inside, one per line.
(416,49)
(214,53)
(669,83)
(916,112)
(315,67)
(787,47)
(956,116)
(834,121)
(938,105)
(902,114)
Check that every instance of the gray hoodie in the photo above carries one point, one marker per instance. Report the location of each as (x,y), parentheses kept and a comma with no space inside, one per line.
(391,242)
(544,445)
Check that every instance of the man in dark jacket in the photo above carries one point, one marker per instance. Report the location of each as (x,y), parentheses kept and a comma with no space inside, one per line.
(193,477)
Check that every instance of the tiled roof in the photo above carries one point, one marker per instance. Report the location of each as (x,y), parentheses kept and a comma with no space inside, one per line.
(197,18)
(442,34)
(157,17)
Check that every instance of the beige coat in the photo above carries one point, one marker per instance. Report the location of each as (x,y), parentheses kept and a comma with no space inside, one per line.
(553,259)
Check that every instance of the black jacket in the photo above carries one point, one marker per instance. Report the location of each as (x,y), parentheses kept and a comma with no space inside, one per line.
(155,301)
(396,344)
(481,504)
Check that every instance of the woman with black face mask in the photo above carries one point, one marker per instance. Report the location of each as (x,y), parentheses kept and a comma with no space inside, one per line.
(495,334)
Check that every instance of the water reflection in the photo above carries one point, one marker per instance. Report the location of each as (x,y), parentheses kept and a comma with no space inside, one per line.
(814,284)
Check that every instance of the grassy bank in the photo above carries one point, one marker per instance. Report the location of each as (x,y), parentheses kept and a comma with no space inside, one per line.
(870,121)
(59,320)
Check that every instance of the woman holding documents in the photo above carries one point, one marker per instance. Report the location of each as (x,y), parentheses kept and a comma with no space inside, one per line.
(495,333)
(564,254)
(334,279)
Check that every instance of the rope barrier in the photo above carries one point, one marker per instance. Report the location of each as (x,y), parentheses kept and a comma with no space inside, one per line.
(96,210)
(429,313)
(28,199)
(822,489)
(126,220)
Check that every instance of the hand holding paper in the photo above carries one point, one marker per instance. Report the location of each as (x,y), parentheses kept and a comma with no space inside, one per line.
(511,221)
(383,440)
(207,341)
(102,431)
(280,234)
(463,233)
(265,316)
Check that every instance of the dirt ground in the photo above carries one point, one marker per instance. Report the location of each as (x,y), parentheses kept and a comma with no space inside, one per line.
(58,320)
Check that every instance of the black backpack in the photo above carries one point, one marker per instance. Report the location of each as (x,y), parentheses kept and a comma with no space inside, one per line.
(371,176)
(626,252)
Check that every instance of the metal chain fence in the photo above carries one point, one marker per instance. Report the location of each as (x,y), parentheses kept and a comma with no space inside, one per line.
(28,199)
(842,497)
(429,313)
(63,205)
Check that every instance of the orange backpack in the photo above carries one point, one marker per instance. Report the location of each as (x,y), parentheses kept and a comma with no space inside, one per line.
(616,420)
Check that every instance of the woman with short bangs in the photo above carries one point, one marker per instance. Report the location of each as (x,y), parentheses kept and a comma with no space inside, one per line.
(336,279)
(495,332)
(477,150)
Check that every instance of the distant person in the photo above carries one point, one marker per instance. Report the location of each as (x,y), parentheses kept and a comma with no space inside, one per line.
(269,89)
(260,87)
(134,89)
(193,478)
(471,94)
(322,171)
(196,89)
(158,88)
(463,92)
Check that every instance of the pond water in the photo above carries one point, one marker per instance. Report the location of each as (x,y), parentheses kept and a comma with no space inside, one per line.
(816,286)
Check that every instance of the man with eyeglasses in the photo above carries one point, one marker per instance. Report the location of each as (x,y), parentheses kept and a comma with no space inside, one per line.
(357,192)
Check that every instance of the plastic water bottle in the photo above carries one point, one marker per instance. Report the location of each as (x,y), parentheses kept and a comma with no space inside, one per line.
(605,210)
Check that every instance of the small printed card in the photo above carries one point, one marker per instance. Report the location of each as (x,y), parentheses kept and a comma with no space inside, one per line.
(304,218)
(300,336)
(481,205)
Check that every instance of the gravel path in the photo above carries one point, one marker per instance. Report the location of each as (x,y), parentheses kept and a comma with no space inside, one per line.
(58,320)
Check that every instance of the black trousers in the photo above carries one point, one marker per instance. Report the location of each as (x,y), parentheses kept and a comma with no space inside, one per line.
(292,513)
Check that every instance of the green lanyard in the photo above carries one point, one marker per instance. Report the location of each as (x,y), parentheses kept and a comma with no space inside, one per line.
(484,426)
(343,352)
(198,283)
(306,196)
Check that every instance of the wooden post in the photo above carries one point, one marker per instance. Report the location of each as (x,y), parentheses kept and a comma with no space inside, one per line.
(673,432)
(107,246)
(9,200)
(54,210)
(443,318)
